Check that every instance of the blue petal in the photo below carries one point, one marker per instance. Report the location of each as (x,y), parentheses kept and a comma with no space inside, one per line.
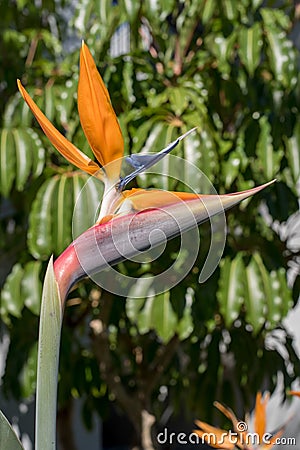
(142,162)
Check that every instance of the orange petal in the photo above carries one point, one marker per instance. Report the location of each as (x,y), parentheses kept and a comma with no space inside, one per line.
(231,416)
(260,414)
(65,147)
(144,199)
(296,393)
(215,437)
(97,117)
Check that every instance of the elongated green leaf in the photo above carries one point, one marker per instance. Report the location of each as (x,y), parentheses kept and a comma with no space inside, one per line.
(185,325)
(255,300)
(22,288)
(163,318)
(230,9)
(280,49)
(281,299)
(153,313)
(293,153)
(48,357)
(208,10)
(268,160)
(7,161)
(178,100)
(38,153)
(250,44)
(87,195)
(230,293)
(23,158)
(222,48)
(156,141)
(11,298)
(8,438)
(65,206)
(31,287)
(40,240)
(62,213)
(49,108)
(28,373)
(200,150)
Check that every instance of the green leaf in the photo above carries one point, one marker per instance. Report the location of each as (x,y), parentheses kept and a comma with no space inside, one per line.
(8,438)
(153,313)
(49,109)
(281,300)
(208,10)
(250,44)
(200,150)
(178,100)
(7,161)
(230,9)
(222,48)
(39,238)
(87,195)
(185,325)
(159,137)
(28,373)
(163,318)
(280,49)
(255,300)
(293,153)
(23,158)
(230,292)
(65,206)
(22,288)
(268,160)
(31,286)
(11,299)
(62,213)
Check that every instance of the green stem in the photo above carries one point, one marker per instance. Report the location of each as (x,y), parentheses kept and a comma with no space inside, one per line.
(47,365)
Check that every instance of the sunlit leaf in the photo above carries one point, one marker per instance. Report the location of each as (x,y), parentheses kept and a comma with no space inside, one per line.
(231,288)
(250,44)
(65,204)
(268,158)
(11,300)
(22,157)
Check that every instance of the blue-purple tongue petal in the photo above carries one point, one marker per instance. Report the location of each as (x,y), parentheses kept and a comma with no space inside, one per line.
(141,162)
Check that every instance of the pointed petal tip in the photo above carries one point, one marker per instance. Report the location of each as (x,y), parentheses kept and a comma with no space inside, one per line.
(20,87)
(187,133)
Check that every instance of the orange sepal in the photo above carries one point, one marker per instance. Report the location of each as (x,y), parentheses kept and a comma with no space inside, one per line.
(260,414)
(97,117)
(154,198)
(231,416)
(65,147)
(215,437)
(295,393)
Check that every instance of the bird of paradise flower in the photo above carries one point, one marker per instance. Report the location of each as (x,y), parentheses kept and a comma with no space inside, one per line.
(144,210)
(102,130)
(241,437)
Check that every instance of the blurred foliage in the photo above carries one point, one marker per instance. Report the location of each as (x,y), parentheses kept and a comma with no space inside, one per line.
(232,71)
